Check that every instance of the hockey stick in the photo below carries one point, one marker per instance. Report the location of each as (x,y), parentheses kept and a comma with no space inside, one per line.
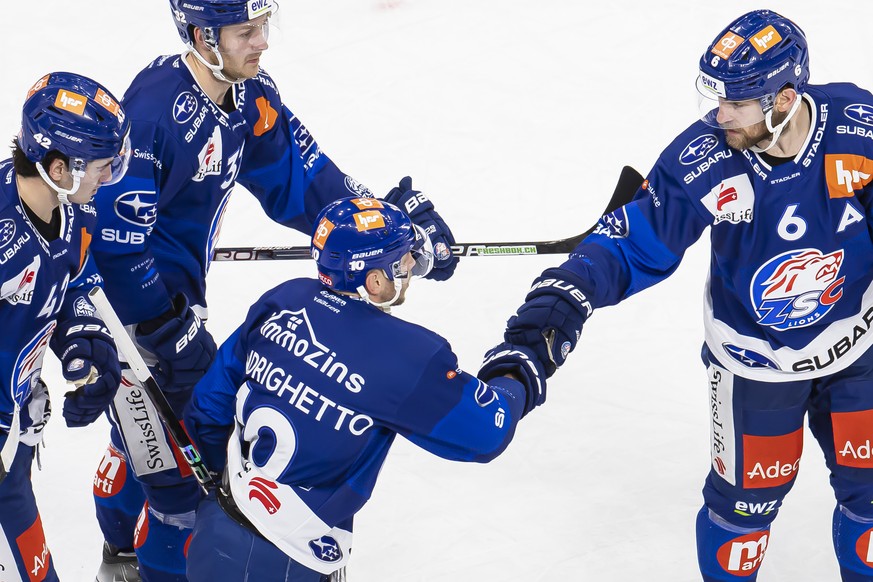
(134,360)
(628,183)
(10,447)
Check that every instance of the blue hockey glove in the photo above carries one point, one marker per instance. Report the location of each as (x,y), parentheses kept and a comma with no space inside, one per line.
(180,342)
(522,364)
(550,320)
(421,211)
(89,361)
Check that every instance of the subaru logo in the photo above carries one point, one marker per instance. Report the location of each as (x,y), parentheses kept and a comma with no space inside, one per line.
(749,358)
(7,231)
(698,149)
(860,112)
(326,549)
(185,107)
(139,208)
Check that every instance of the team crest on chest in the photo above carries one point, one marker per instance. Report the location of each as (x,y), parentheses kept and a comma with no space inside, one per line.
(797,288)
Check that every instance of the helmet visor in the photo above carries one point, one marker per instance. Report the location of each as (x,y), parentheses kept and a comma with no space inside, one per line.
(422,255)
(118,166)
(717,111)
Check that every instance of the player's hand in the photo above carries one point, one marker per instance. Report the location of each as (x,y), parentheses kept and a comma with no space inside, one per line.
(521,364)
(550,320)
(181,344)
(421,211)
(89,361)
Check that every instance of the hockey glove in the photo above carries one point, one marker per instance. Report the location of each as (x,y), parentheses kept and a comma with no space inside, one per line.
(181,344)
(550,320)
(421,211)
(523,365)
(89,361)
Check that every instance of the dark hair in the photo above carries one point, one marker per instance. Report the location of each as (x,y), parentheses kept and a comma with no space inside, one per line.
(27,169)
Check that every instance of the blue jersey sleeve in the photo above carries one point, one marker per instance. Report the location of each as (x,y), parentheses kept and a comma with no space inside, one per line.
(210,412)
(456,416)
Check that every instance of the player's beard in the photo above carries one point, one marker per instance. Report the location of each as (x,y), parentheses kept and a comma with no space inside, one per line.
(745,137)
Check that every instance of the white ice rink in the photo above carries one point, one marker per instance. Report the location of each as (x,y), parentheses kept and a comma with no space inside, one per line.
(516,117)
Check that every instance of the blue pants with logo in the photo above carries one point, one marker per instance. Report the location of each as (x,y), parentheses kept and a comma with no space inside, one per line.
(757,440)
(221,550)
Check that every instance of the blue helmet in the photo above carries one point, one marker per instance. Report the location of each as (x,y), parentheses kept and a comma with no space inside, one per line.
(74,115)
(211,15)
(755,57)
(355,235)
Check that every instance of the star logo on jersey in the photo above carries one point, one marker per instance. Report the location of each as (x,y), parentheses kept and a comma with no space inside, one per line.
(7,231)
(797,288)
(137,207)
(860,112)
(326,549)
(697,150)
(614,225)
(749,358)
(185,107)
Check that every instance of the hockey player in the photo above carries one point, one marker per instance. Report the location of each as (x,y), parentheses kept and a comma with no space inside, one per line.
(780,171)
(202,122)
(73,139)
(299,419)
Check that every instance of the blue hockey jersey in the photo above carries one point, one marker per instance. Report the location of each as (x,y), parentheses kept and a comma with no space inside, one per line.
(41,283)
(158,226)
(789,292)
(314,386)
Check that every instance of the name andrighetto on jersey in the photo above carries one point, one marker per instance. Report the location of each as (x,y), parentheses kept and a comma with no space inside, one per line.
(292,331)
(303,397)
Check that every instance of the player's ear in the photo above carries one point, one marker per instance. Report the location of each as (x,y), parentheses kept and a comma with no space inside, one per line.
(56,169)
(374,283)
(785,99)
(199,38)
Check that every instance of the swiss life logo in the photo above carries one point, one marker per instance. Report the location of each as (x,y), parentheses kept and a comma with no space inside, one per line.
(261,490)
(732,200)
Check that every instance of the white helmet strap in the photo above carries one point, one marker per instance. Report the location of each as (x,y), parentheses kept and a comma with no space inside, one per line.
(384,305)
(63,194)
(777,131)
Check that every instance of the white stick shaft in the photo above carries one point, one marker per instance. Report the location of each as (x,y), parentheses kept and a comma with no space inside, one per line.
(123,341)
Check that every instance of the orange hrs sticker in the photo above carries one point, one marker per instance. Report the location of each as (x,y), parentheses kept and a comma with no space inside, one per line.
(70,101)
(103,98)
(267,118)
(852,436)
(37,86)
(766,39)
(846,173)
(727,45)
(770,461)
(366,203)
(325,227)
(369,220)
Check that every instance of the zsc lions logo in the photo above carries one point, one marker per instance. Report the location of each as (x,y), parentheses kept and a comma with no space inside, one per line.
(860,112)
(185,107)
(698,149)
(797,288)
(137,207)
(7,231)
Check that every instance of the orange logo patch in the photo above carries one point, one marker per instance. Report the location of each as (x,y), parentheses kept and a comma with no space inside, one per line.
(766,39)
(846,173)
(367,203)
(37,86)
(34,551)
(267,118)
(743,555)
(369,220)
(69,101)
(727,44)
(103,98)
(853,432)
(770,461)
(325,227)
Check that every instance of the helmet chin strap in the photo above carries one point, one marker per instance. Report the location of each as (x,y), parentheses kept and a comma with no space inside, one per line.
(63,194)
(384,305)
(777,131)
